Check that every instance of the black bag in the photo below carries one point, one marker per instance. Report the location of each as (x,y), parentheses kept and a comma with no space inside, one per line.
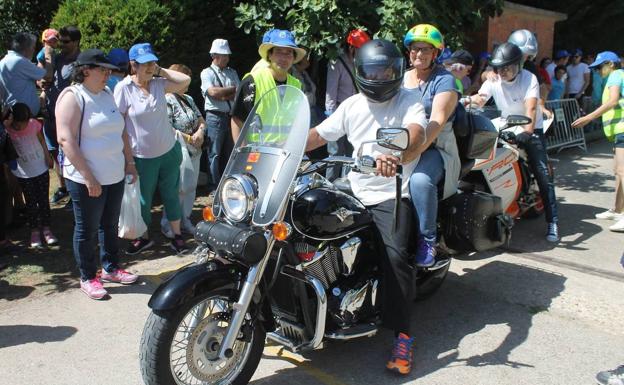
(475,134)
(474,221)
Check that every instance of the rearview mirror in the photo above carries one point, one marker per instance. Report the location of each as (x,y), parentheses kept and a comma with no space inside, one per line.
(393,138)
(517,120)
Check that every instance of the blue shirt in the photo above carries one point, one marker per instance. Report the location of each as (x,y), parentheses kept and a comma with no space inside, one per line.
(616,78)
(557,89)
(439,81)
(18,76)
(228,78)
(112,81)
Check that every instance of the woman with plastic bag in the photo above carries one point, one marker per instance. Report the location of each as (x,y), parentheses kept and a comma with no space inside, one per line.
(189,126)
(90,130)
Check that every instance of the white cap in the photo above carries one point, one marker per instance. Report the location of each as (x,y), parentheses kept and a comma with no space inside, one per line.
(220,46)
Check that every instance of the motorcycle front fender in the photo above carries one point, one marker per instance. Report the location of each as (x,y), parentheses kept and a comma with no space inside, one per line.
(191,281)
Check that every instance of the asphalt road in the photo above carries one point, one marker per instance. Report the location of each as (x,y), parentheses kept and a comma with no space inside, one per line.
(530,314)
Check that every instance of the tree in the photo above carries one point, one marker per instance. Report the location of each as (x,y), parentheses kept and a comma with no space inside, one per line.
(24,16)
(107,24)
(321,24)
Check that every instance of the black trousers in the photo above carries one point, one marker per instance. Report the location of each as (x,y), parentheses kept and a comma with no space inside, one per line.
(36,192)
(398,276)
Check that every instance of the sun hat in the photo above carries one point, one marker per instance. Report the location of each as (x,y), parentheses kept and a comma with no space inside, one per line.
(94,57)
(221,47)
(604,57)
(49,35)
(280,38)
(142,53)
(119,57)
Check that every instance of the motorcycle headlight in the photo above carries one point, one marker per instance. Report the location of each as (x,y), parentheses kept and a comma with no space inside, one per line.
(237,195)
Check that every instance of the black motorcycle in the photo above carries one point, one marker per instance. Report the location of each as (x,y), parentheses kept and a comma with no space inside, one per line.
(284,255)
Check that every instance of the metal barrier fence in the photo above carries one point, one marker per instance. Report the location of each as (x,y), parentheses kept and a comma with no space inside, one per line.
(561,135)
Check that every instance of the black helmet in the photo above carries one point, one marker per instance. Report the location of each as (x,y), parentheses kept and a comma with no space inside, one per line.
(379,70)
(506,54)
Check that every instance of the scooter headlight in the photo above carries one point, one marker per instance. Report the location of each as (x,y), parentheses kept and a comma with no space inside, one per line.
(238,195)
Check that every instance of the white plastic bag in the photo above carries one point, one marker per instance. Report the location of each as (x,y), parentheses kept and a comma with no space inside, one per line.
(186,167)
(131,224)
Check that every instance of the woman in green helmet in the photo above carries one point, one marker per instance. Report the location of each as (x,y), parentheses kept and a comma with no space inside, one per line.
(439,158)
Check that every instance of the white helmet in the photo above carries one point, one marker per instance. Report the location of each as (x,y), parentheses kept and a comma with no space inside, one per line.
(525,40)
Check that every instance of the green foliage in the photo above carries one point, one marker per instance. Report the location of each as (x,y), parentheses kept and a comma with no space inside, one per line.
(106,24)
(322,25)
(24,16)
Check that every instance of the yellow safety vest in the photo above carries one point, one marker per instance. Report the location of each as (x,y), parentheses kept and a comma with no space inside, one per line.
(613,120)
(271,104)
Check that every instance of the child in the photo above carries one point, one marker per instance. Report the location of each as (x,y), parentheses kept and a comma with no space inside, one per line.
(32,170)
(50,39)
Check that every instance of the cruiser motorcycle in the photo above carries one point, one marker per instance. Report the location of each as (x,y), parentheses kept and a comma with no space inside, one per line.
(285,255)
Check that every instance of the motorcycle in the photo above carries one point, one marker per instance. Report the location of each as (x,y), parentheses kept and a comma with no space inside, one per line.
(283,255)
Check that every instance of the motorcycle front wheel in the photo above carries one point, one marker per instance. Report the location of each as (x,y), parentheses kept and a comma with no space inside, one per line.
(181,346)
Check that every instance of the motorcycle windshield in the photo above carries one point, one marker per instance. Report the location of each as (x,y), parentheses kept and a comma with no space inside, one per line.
(270,147)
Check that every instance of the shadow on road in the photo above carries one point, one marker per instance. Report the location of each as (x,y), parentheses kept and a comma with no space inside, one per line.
(13,335)
(498,293)
(13,292)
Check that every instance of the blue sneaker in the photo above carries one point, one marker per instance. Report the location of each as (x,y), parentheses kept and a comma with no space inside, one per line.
(425,253)
(402,356)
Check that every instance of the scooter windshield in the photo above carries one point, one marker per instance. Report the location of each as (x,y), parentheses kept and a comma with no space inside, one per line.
(269,150)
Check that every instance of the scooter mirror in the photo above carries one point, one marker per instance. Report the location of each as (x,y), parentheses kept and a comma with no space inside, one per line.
(517,120)
(393,138)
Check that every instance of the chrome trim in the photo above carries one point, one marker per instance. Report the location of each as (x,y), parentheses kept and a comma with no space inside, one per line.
(353,300)
(349,251)
(251,196)
(317,256)
(278,168)
(239,309)
(374,292)
(345,336)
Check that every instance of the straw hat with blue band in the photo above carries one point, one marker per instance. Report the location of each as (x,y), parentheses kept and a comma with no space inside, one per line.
(280,38)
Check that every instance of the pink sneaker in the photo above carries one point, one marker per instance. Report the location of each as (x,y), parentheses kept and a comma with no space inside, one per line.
(93,288)
(119,276)
(49,238)
(35,239)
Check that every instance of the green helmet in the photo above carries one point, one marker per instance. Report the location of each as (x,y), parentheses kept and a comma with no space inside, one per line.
(426,33)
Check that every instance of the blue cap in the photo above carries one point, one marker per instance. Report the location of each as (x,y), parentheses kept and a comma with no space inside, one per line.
(280,38)
(142,53)
(604,57)
(444,55)
(577,52)
(561,54)
(118,56)
(485,55)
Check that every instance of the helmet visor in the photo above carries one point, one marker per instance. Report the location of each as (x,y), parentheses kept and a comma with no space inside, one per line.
(386,70)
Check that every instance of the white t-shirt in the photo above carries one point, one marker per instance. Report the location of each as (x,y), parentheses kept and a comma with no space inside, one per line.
(551,70)
(510,97)
(101,141)
(359,119)
(575,77)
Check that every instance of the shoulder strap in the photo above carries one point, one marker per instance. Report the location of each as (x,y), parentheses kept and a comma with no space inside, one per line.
(349,72)
(76,90)
(220,85)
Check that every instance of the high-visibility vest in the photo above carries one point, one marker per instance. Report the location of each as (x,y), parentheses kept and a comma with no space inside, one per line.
(269,107)
(613,120)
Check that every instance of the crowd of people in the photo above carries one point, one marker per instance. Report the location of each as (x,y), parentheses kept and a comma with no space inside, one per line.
(104,120)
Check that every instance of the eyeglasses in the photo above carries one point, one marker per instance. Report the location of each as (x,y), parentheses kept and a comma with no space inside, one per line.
(505,69)
(424,50)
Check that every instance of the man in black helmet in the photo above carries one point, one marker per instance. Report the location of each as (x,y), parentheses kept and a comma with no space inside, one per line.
(382,103)
(516,91)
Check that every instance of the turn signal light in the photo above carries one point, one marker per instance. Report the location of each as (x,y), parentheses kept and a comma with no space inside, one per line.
(281,230)
(208,214)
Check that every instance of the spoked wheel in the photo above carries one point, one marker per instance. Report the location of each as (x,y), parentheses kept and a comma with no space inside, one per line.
(182,346)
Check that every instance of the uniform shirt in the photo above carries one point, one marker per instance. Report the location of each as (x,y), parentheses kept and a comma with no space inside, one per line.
(358,119)
(147,123)
(576,78)
(228,77)
(510,96)
(18,76)
(245,97)
(101,141)
(339,83)
(31,161)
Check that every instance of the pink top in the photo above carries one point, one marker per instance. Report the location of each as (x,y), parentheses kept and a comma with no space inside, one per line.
(31,161)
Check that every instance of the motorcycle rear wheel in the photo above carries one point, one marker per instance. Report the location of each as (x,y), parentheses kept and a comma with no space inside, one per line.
(180,347)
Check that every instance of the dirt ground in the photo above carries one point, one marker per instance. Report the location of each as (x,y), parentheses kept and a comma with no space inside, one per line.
(38,272)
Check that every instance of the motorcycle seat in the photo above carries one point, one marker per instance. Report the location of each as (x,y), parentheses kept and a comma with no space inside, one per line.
(343,185)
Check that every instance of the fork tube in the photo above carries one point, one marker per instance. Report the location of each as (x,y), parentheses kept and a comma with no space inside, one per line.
(240,307)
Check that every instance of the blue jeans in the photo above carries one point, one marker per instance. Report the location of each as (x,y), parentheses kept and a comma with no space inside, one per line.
(538,163)
(423,187)
(217,127)
(95,216)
